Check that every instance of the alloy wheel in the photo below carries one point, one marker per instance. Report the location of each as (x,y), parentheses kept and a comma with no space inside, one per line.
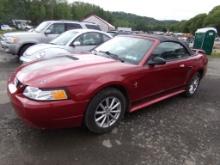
(194,85)
(108,112)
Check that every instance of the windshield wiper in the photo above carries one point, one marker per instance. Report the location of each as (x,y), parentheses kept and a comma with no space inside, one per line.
(112,55)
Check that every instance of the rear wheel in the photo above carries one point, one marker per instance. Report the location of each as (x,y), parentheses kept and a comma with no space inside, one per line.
(193,85)
(105,111)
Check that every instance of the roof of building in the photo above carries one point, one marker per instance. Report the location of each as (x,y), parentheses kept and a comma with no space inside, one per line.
(104,21)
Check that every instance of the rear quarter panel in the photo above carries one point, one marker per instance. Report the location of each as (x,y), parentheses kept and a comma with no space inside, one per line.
(199,63)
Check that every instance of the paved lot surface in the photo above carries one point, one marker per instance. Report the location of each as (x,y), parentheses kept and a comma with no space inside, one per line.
(178,131)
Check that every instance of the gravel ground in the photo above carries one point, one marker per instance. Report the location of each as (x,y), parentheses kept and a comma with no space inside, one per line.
(178,131)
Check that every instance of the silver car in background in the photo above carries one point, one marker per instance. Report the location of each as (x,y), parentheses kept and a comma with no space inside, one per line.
(72,41)
(17,42)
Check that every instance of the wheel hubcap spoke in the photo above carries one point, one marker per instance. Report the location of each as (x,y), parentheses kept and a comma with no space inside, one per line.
(112,103)
(99,112)
(115,111)
(115,106)
(107,102)
(101,117)
(194,85)
(112,116)
(103,121)
(108,121)
(102,106)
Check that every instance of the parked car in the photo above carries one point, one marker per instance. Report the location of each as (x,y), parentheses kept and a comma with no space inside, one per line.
(68,42)
(6,27)
(124,74)
(17,42)
(217,39)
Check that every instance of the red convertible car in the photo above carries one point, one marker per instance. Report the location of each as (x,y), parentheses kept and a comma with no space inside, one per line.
(125,74)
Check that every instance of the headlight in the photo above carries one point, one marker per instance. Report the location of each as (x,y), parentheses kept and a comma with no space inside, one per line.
(11,40)
(40,54)
(44,95)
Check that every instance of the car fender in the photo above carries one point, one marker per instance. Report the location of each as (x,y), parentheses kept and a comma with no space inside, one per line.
(201,62)
(105,82)
(26,43)
(86,91)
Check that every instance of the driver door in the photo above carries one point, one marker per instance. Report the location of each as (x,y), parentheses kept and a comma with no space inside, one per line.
(156,79)
(53,31)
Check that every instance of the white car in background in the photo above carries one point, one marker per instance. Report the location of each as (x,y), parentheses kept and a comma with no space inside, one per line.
(6,28)
(72,41)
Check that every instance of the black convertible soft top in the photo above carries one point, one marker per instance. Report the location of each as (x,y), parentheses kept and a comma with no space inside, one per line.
(163,38)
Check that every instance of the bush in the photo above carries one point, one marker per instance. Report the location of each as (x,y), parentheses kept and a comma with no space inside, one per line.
(216,53)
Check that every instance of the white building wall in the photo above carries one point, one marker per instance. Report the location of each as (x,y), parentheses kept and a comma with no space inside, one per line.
(104,27)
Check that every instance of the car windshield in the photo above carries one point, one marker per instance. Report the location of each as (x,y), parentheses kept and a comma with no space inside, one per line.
(64,38)
(128,49)
(42,26)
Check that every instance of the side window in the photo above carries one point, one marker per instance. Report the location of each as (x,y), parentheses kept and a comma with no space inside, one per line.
(70,26)
(56,28)
(105,38)
(89,39)
(96,27)
(170,51)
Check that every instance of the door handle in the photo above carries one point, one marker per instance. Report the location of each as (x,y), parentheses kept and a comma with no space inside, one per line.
(182,65)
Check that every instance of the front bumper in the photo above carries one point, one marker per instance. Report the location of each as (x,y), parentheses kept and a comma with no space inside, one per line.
(48,115)
(9,48)
(25,59)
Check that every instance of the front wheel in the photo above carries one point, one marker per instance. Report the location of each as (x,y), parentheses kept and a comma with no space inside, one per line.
(23,49)
(105,111)
(193,85)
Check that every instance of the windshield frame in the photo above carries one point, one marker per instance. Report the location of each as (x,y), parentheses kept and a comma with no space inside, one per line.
(47,24)
(145,55)
(71,39)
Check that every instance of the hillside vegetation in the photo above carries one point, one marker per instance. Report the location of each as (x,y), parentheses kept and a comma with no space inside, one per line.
(40,10)
(212,19)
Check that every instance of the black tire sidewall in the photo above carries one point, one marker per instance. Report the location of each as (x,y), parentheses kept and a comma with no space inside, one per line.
(23,49)
(90,112)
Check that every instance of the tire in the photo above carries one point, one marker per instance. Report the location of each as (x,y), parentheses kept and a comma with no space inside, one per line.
(103,114)
(23,49)
(193,85)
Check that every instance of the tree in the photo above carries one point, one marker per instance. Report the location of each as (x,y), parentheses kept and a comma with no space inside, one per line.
(40,10)
(196,22)
(213,19)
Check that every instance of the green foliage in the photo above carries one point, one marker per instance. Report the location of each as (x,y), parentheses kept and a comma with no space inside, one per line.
(213,19)
(139,22)
(191,25)
(216,53)
(40,10)
(199,21)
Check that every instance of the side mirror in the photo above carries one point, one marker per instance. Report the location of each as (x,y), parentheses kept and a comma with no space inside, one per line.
(76,43)
(157,61)
(48,31)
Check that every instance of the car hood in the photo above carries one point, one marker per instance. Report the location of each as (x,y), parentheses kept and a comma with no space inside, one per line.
(67,70)
(20,34)
(47,48)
